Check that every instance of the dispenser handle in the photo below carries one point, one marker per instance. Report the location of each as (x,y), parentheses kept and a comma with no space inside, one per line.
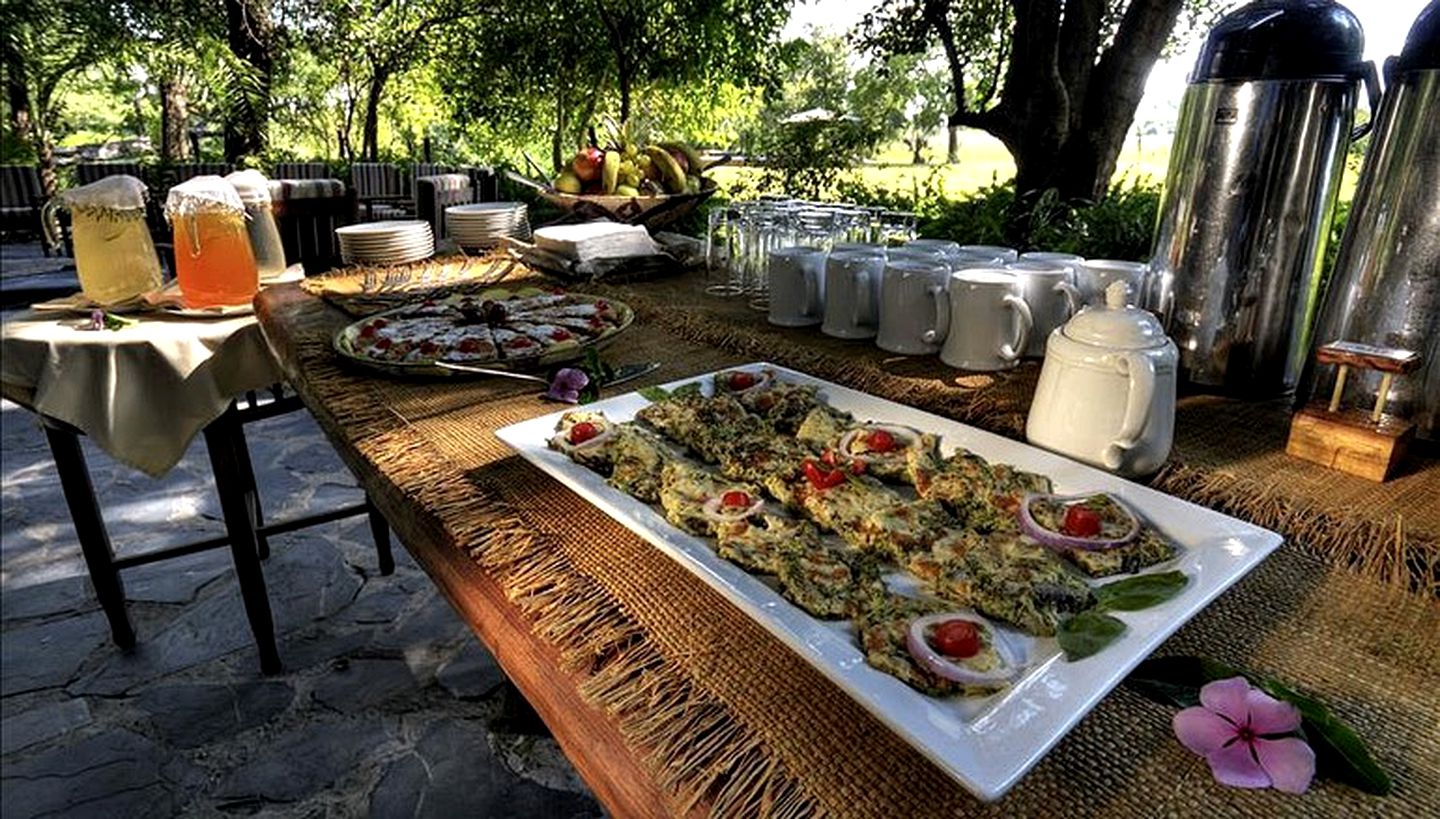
(1373,91)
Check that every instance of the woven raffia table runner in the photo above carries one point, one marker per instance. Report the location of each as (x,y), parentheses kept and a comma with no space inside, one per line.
(730,718)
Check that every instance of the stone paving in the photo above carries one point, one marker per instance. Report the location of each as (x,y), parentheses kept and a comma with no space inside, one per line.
(388,706)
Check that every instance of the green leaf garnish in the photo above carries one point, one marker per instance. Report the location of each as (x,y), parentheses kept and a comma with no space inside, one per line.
(1088,632)
(1141,591)
(654,393)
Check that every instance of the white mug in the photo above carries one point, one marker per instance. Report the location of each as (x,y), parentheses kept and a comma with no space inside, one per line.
(909,297)
(1048,289)
(852,294)
(1093,276)
(797,286)
(1008,254)
(983,320)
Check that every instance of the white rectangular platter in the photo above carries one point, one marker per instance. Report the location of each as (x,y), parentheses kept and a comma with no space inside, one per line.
(985,744)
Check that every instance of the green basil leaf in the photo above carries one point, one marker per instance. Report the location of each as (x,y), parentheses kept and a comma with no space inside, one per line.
(1088,632)
(693,388)
(1141,591)
(1340,753)
(654,394)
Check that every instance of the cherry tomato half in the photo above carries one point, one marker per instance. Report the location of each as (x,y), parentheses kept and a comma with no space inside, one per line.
(742,381)
(583,431)
(956,638)
(823,478)
(1081,522)
(736,499)
(880,441)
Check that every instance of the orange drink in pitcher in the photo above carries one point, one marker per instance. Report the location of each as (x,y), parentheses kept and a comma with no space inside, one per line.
(213,260)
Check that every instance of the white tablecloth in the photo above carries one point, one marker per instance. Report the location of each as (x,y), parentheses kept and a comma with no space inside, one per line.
(141,393)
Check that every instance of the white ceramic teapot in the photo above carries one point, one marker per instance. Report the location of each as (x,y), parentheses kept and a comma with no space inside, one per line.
(1107,389)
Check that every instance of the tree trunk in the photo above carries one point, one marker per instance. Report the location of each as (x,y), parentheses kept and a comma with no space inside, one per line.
(916,143)
(250,34)
(370,138)
(952,146)
(625,79)
(174,116)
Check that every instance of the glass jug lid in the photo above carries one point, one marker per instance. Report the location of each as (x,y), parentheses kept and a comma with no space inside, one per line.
(119,192)
(203,194)
(1115,324)
(251,185)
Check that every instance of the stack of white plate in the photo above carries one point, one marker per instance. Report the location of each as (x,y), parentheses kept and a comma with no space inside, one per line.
(484,224)
(390,242)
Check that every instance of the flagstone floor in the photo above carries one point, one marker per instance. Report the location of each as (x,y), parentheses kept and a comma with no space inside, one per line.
(388,705)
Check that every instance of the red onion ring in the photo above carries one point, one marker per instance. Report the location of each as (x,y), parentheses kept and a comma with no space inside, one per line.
(932,661)
(763,381)
(1061,541)
(905,434)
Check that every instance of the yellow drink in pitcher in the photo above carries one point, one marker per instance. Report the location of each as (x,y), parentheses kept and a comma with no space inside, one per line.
(114,256)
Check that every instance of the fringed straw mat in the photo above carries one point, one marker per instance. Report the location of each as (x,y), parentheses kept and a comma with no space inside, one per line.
(731,719)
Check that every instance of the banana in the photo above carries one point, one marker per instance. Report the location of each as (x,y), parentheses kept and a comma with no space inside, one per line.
(670,171)
(610,172)
(692,156)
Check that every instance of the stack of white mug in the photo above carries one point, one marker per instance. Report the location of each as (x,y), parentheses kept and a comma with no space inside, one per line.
(981,307)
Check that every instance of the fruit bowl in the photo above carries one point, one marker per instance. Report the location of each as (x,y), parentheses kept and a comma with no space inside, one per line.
(653,211)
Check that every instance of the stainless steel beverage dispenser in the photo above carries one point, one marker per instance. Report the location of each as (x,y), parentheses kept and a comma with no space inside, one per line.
(1385,289)
(1254,169)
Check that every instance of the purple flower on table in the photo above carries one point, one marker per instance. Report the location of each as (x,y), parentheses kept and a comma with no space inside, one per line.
(1247,736)
(97,320)
(567,384)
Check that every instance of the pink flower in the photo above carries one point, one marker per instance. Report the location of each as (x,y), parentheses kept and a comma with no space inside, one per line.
(567,384)
(1246,736)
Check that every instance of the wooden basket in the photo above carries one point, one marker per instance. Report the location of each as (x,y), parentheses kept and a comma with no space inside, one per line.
(650,211)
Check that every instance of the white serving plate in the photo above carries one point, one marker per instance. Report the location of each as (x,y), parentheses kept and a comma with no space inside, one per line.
(985,744)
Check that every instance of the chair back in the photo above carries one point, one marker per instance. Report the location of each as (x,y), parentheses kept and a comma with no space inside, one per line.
(485,181)
(20,187)
(433,194)
(189,170)
(87,172)
(307,212)
(301,170)
(372,180)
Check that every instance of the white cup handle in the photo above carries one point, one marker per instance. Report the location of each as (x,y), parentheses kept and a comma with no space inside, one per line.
(940,298)
(1011,352)
(1141,370)
(1073,299)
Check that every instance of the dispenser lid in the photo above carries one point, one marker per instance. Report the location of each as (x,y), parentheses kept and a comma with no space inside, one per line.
(1115,325)
(253,187)
(1422,47)
(1284,40)
(202,194)
(119,192)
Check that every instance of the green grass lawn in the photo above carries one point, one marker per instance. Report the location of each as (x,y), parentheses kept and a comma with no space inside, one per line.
(983,161)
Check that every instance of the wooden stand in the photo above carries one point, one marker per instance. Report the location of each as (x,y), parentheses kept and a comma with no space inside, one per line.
(1368,444)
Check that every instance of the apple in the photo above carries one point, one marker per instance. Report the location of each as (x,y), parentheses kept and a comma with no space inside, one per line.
(568,182)
(587,163)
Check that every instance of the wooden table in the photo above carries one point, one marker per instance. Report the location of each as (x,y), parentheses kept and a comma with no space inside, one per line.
(587,735)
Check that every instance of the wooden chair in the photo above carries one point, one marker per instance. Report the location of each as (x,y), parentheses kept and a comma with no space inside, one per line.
(307,212)
(22,200)
(433,194)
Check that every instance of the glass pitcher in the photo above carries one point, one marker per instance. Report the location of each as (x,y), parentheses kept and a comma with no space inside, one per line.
(213,260)
(254,190)
(114,256)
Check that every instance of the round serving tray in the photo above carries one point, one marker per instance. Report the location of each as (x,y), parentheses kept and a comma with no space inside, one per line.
(343,341)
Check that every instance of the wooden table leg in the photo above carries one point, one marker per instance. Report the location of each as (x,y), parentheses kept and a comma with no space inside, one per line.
(221,440)
(90,529)
(252,492)
(380,533)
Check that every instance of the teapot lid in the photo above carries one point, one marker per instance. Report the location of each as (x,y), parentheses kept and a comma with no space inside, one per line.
(1116,324)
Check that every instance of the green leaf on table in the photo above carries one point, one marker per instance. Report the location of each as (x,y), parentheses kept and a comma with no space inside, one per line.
(1088,632)
(1141,591)
(1340,753)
